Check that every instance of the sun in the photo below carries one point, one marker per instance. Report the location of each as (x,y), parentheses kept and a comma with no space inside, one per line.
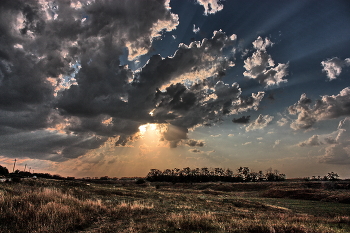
(148,128)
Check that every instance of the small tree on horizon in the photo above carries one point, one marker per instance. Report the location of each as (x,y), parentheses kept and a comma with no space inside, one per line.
(3,170)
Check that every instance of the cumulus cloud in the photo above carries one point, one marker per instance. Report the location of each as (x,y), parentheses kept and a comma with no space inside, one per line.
(313,141)
(261,122)
(328,107)
(336,144)
(333,66)
(211,6)
(338,152)
(261,66)
(62,83)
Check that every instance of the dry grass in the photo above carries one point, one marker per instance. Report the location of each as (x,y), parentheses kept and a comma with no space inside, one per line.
(57,206)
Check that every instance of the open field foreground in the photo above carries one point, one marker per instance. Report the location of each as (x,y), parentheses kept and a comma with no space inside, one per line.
(75,206)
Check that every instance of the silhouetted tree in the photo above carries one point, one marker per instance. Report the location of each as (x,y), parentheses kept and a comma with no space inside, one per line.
(332,176)
(3,170)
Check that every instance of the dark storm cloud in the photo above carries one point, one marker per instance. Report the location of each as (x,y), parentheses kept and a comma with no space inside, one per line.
(48,145)
(40,44)
(328,107)
(241,120)
(62,83)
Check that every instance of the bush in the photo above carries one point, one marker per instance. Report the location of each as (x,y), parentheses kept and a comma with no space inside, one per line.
(140,181)
(3,170)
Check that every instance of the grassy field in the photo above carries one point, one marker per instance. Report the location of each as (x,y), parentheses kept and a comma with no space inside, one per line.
(75,206)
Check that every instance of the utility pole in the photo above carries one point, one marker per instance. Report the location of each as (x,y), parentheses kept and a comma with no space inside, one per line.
(14,165)
(25,166)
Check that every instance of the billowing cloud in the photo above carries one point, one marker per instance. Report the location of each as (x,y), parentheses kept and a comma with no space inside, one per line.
(313,141)
(328,107)
(261,66)
(211,6)
(261,122)
(339,150)
(333,66)
(63,85)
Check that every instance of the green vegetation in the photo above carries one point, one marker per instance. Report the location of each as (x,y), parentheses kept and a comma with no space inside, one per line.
(47,205)
(212,175)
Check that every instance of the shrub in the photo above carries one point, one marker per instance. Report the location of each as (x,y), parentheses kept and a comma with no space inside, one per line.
(3,170)
(140,181)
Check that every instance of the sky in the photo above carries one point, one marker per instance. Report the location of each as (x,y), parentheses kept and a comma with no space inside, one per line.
(116,88)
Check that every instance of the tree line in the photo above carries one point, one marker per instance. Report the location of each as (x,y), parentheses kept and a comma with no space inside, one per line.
(243,174)
(17,173)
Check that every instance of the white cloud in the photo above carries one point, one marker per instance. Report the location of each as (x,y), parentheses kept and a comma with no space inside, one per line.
(195,30)
(261,66)
(336,144)
(328,107)
(333,67)
(283,121)
(211,6)
(313,141)
(261,122)
(277,142)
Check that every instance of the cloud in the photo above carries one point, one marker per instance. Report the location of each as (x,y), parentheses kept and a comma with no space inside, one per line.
(336,144)
(64,91)
(195,30)
(211,6)
(192,143)
(195,150)
(339,150)
(260,65)
(313,141)
(333,66)
(277,142)
(246,143)
(261,122)
(283,121)
(241,120)
(328,107)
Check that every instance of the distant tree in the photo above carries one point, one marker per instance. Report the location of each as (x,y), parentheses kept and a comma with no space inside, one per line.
(332,176)
(3,170)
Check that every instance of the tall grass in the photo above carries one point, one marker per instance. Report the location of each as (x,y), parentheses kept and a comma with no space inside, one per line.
(57,206)
(45,209)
